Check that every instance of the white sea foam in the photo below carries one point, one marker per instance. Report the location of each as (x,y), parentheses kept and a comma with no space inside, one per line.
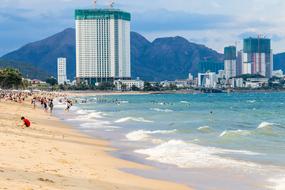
(189,155)
(251,101)
(235,133)
(142,135)
(135,119)
(184,102)
(98,125)
(278,183)
(161,110)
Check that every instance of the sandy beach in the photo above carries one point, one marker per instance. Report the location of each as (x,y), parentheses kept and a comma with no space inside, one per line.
(51,155)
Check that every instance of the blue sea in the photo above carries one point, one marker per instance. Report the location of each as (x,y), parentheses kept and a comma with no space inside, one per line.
(207,141)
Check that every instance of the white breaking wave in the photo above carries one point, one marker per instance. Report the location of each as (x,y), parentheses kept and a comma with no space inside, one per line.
(204,129)
(161,110)
(139,119)
(142,135)
(189,155)
(235,133)
(267,125)
(98,125)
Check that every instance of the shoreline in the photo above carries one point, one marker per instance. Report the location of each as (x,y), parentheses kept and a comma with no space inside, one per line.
(53,155)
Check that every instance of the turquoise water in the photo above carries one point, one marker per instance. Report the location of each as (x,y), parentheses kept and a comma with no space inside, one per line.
(238,134)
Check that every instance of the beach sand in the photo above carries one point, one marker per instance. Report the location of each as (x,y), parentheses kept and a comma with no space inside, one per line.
(51,155)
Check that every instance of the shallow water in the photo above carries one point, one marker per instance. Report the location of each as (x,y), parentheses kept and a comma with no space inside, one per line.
(205,140)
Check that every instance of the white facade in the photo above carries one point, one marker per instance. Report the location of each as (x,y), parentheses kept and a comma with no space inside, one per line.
(230,68)
(129,84)
(102,45)
(221,74)
(207,80)
(61,70)
(256,64)
(278,73)
(237,83)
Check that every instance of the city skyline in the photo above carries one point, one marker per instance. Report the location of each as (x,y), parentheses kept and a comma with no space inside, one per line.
(212,23)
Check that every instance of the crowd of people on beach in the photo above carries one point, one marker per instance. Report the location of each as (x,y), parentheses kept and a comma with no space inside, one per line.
(44,100)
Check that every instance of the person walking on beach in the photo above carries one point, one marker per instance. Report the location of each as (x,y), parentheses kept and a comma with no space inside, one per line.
(34,103)
(51,105)
(26,122)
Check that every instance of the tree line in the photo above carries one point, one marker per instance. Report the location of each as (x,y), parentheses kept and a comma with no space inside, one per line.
(10,79)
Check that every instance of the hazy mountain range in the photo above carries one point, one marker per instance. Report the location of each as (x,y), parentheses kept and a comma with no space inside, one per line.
(163,59)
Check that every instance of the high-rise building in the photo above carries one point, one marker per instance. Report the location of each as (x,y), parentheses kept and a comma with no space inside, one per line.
(210,66)
(207,80)
(102,45)
(239,63)
(257,57)
(230,61)
(61,70)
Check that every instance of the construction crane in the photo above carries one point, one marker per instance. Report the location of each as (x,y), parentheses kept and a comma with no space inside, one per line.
(95,3)
(112,3)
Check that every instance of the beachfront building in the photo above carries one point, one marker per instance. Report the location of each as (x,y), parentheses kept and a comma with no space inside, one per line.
(257,57)
(207,80)
(61,70)
(230,61)
(102,45)
(278,74)
(129,84)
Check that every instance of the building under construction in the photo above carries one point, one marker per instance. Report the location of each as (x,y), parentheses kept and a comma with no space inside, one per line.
(257,57)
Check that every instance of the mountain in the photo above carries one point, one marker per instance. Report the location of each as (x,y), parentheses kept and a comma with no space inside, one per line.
(163,59)
(43,54)
(26,69)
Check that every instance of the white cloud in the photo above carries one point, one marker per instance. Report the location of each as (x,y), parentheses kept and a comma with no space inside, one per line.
(241,16)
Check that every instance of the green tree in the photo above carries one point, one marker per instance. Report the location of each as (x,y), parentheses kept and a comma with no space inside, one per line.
(51,81)
(10,78)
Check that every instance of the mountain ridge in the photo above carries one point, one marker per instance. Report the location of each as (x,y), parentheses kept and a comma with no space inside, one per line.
(166,58)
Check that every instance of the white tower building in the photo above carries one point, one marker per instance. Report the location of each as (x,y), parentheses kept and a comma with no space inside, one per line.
(102,45)
(61,70)
(230,62)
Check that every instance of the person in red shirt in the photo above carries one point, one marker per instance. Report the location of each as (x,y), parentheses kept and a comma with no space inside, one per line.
(26,122)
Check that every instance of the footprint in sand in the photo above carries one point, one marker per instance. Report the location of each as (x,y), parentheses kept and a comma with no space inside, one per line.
(62,161)
(46,180)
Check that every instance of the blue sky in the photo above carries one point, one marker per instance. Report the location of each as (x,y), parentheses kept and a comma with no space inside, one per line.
(215,23)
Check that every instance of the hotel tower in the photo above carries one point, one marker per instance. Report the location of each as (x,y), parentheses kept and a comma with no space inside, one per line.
(102,45)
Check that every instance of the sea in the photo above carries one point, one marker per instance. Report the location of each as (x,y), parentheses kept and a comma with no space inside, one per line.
(230,141)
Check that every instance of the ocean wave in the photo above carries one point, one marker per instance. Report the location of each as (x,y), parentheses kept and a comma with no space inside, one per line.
(142,135)
(266,125)
(189,155)
(205,129)
(184,102)
(135,119)
(235,133)
(161,110)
